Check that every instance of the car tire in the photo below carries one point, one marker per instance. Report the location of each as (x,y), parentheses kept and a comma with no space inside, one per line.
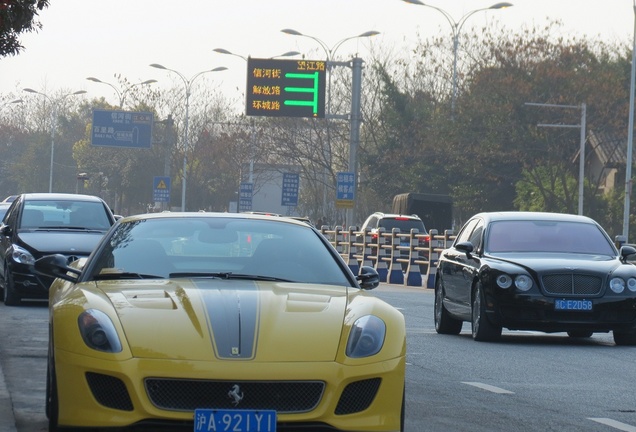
(582,334)
(403,412)
(11,297)
(52,407)
(482,329)
(52,401)
(624,338)
(444,323)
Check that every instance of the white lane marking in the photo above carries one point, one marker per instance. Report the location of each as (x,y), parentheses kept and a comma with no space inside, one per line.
(488,387)
(615,424)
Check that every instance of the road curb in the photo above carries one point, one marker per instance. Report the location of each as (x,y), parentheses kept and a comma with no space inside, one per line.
(7,418)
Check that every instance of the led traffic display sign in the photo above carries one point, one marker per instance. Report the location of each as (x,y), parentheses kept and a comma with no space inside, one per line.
(285,88)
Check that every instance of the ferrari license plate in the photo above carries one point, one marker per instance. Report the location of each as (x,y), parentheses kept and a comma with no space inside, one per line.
(211,420)
(573,305)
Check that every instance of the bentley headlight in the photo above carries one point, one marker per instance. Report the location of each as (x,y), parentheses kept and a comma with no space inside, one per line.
(504,281)
(21,255)
(366,337)
(98,331)
(617,285)
(631,284)
(523,282)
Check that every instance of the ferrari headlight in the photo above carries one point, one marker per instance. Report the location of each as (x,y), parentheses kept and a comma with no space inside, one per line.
(523,282)
(617,285)
(21,255)
(366,337)
(98,331)
(631,284)
(504,281)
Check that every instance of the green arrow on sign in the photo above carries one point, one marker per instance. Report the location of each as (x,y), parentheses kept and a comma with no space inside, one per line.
(314,103)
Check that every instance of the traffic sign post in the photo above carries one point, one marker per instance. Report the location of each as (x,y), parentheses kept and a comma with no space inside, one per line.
(290,189)
(346,190)
(245,197)
(285,88)
(161,189)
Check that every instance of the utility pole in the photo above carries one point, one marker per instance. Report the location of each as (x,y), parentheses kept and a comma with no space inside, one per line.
(581,126)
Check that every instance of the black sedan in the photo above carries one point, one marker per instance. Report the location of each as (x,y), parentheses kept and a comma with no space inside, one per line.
(535,271)
(45,223)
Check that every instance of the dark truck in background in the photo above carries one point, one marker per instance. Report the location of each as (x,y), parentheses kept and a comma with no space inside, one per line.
(435,210)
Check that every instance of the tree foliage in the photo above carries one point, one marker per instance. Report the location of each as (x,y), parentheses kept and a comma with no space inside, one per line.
(489,153)
(17,17)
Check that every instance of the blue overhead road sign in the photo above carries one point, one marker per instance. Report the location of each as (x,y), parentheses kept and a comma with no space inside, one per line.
(127,129)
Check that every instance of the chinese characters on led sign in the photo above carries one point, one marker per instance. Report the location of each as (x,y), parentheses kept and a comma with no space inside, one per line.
(285,88)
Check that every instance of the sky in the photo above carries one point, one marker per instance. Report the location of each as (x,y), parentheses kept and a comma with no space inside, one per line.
(104,38)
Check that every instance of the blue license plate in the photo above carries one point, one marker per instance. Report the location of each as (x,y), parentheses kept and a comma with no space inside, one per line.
(210,420)
(573,305)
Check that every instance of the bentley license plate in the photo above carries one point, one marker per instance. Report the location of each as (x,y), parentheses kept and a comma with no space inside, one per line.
(210,420)
(573,305)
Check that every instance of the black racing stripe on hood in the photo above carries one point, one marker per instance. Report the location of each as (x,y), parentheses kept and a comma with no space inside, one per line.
(232,309)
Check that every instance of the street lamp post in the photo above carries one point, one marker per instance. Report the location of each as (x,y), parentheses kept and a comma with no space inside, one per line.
(6,104)
(121,94)
(355,116)
(53,124)
(456,27)
(224,51)
(188,87)
(330,53)
(630,137)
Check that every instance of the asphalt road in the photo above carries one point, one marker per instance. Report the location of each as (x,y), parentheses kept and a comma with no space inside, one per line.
(527,382)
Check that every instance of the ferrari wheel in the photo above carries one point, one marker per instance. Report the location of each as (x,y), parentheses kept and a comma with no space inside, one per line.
(483,330)
(402,414)
(52,401)
(11,297)
(624,337)
(444,323)
(51,393)
(580,334)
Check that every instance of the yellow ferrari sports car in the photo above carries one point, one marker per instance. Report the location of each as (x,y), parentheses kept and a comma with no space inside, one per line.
(220,322)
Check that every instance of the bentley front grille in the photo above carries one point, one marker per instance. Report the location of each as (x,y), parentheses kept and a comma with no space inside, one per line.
(188,395)
(572,284)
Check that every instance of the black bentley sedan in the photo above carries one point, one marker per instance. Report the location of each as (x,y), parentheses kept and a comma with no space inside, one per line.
(546,272)
(40,224)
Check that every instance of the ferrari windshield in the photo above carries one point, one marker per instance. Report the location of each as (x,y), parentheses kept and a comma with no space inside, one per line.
(547,236)
(174,247)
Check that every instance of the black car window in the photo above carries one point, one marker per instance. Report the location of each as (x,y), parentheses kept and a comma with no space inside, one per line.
(373,223)
(405,225)
(464,234)
(205,246)
(64,214)
(475,236)
(548,236)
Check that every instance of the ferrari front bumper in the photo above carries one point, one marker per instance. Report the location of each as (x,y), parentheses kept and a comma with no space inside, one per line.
(94,392)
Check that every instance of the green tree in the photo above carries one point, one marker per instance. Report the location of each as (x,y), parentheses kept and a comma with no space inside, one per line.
(493,143)
(16,17)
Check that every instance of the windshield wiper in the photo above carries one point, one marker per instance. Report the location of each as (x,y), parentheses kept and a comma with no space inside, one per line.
(227,275)
(125,275)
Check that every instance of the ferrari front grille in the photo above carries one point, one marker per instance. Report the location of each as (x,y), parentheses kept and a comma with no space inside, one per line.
(357,396)
(572,284)
(188,395)
(109,391)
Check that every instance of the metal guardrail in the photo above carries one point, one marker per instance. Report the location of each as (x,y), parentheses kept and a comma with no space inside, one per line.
(399,258)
